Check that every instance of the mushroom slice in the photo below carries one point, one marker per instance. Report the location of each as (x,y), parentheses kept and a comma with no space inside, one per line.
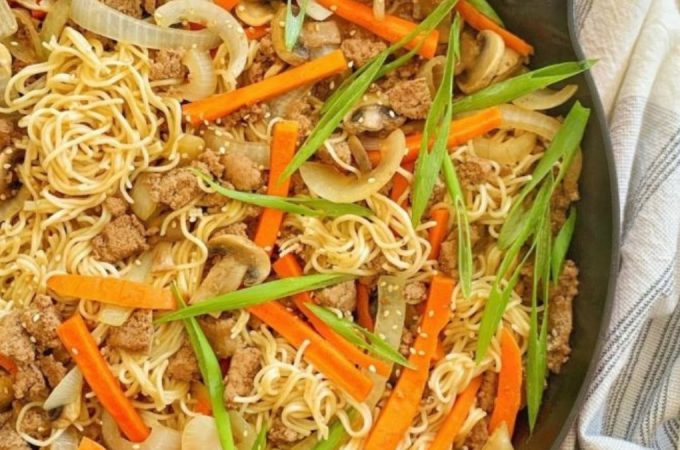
(320,34)
(242,263)
(510,63)
(486,64)
(298,54)
(372,114)
(255,13)
(469,50)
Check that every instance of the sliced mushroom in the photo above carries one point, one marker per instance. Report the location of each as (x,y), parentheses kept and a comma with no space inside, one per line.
(242,263)
(255,13)
(485,67)
(295,56)
(469,50)
(372,114)
(510,63)
(321,34)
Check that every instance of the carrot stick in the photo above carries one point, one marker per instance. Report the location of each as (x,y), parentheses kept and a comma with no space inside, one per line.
(404,401)
(113,291)
(220,105)
(83,349)
(456,417)
(508,395)
(89,444)
(324,356)
(284,141)
(287,266)
(391,28)
(461,131)
(255,33)
(227,4)
(8,364)
(400,183)
(479,21)
(437,233)
(202,396)
(364,317)
(439,353)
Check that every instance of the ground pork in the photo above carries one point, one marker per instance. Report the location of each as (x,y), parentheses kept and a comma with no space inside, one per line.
(53,370)
(10,439)
(415,292)
(473,171)
(410,98)
(360,50)
(565,194)
(15,343)
(264,60)
(243,367)
(305,111)
(29,383)
(242,172)
(176,188)
(116,206)
(487,391)
(560,317)
(341,150)
(212,162)
(478,435)
(448,255)
(279,435)
(342,296)
(121,238)
(41,320)
(407,340)
(6,131)
(218,332)
(135,335)
(183,365)
(238,229)
(130,7)
(166,64)
(247,115)
(36,423)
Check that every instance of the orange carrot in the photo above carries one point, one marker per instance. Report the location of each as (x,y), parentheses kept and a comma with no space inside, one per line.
(255,33)
(374,157)
(391,28)
(439,353)
(89,444)
(8,364)
(461,131)
(83,349)
(113,291)
(200,393)
(456,417)
(509,393)
(227,4)
(324,356)
(287,266)
(479,21)
(364,317)
(400,183)
(404,401)
(437,233)
(220,105)
(37,14)
(284,141)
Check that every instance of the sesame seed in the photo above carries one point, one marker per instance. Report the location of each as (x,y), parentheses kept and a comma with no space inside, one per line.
(74,351)
(372,369)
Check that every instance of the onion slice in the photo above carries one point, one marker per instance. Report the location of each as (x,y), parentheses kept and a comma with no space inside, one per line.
(200,433)
(317,12)
(509,152)
(326,182)
(217,141)
(160,438)
(5,70)
(547,98)
(532,121)
(14,205)
(217,20)
(202,77)
(8,23)
(66,391)
(499,440)
(108,22)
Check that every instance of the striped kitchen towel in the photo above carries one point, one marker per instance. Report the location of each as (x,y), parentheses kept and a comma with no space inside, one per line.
(634,399)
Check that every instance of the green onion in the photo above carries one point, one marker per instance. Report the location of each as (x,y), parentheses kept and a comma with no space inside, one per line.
(293,25)
(537,349)
(261,440)
(337,435)
(564,146)
(358,335)
(518,86)
(304,206)
(437,123)
(561,244)
(483,7)
(256,295)
(212,375)
(346,96)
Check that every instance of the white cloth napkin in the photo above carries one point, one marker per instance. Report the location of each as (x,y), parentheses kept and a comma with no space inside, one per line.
(634,399)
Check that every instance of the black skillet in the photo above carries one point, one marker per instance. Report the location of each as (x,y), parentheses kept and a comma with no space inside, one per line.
(549,26)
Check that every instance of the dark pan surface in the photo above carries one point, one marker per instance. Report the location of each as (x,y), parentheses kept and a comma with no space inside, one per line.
(545,24)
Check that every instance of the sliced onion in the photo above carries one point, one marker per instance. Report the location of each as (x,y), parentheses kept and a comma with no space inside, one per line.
(144,206)
(108,22)
(200,433)
(160,438)
(54,23)
(546,98)
(244,433)
(509,152)
(114,315)
(379,9)
(202,77)
(68,440)
(317,12)
(499,440)
(218,142)
(328,183)
(283,105)
(433,71)
(10,207)
(217,20)
(35,5)
(532,121)
(359,153)
(67,391)
(33,52)
(8,23)
(190,146)
(5,70)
